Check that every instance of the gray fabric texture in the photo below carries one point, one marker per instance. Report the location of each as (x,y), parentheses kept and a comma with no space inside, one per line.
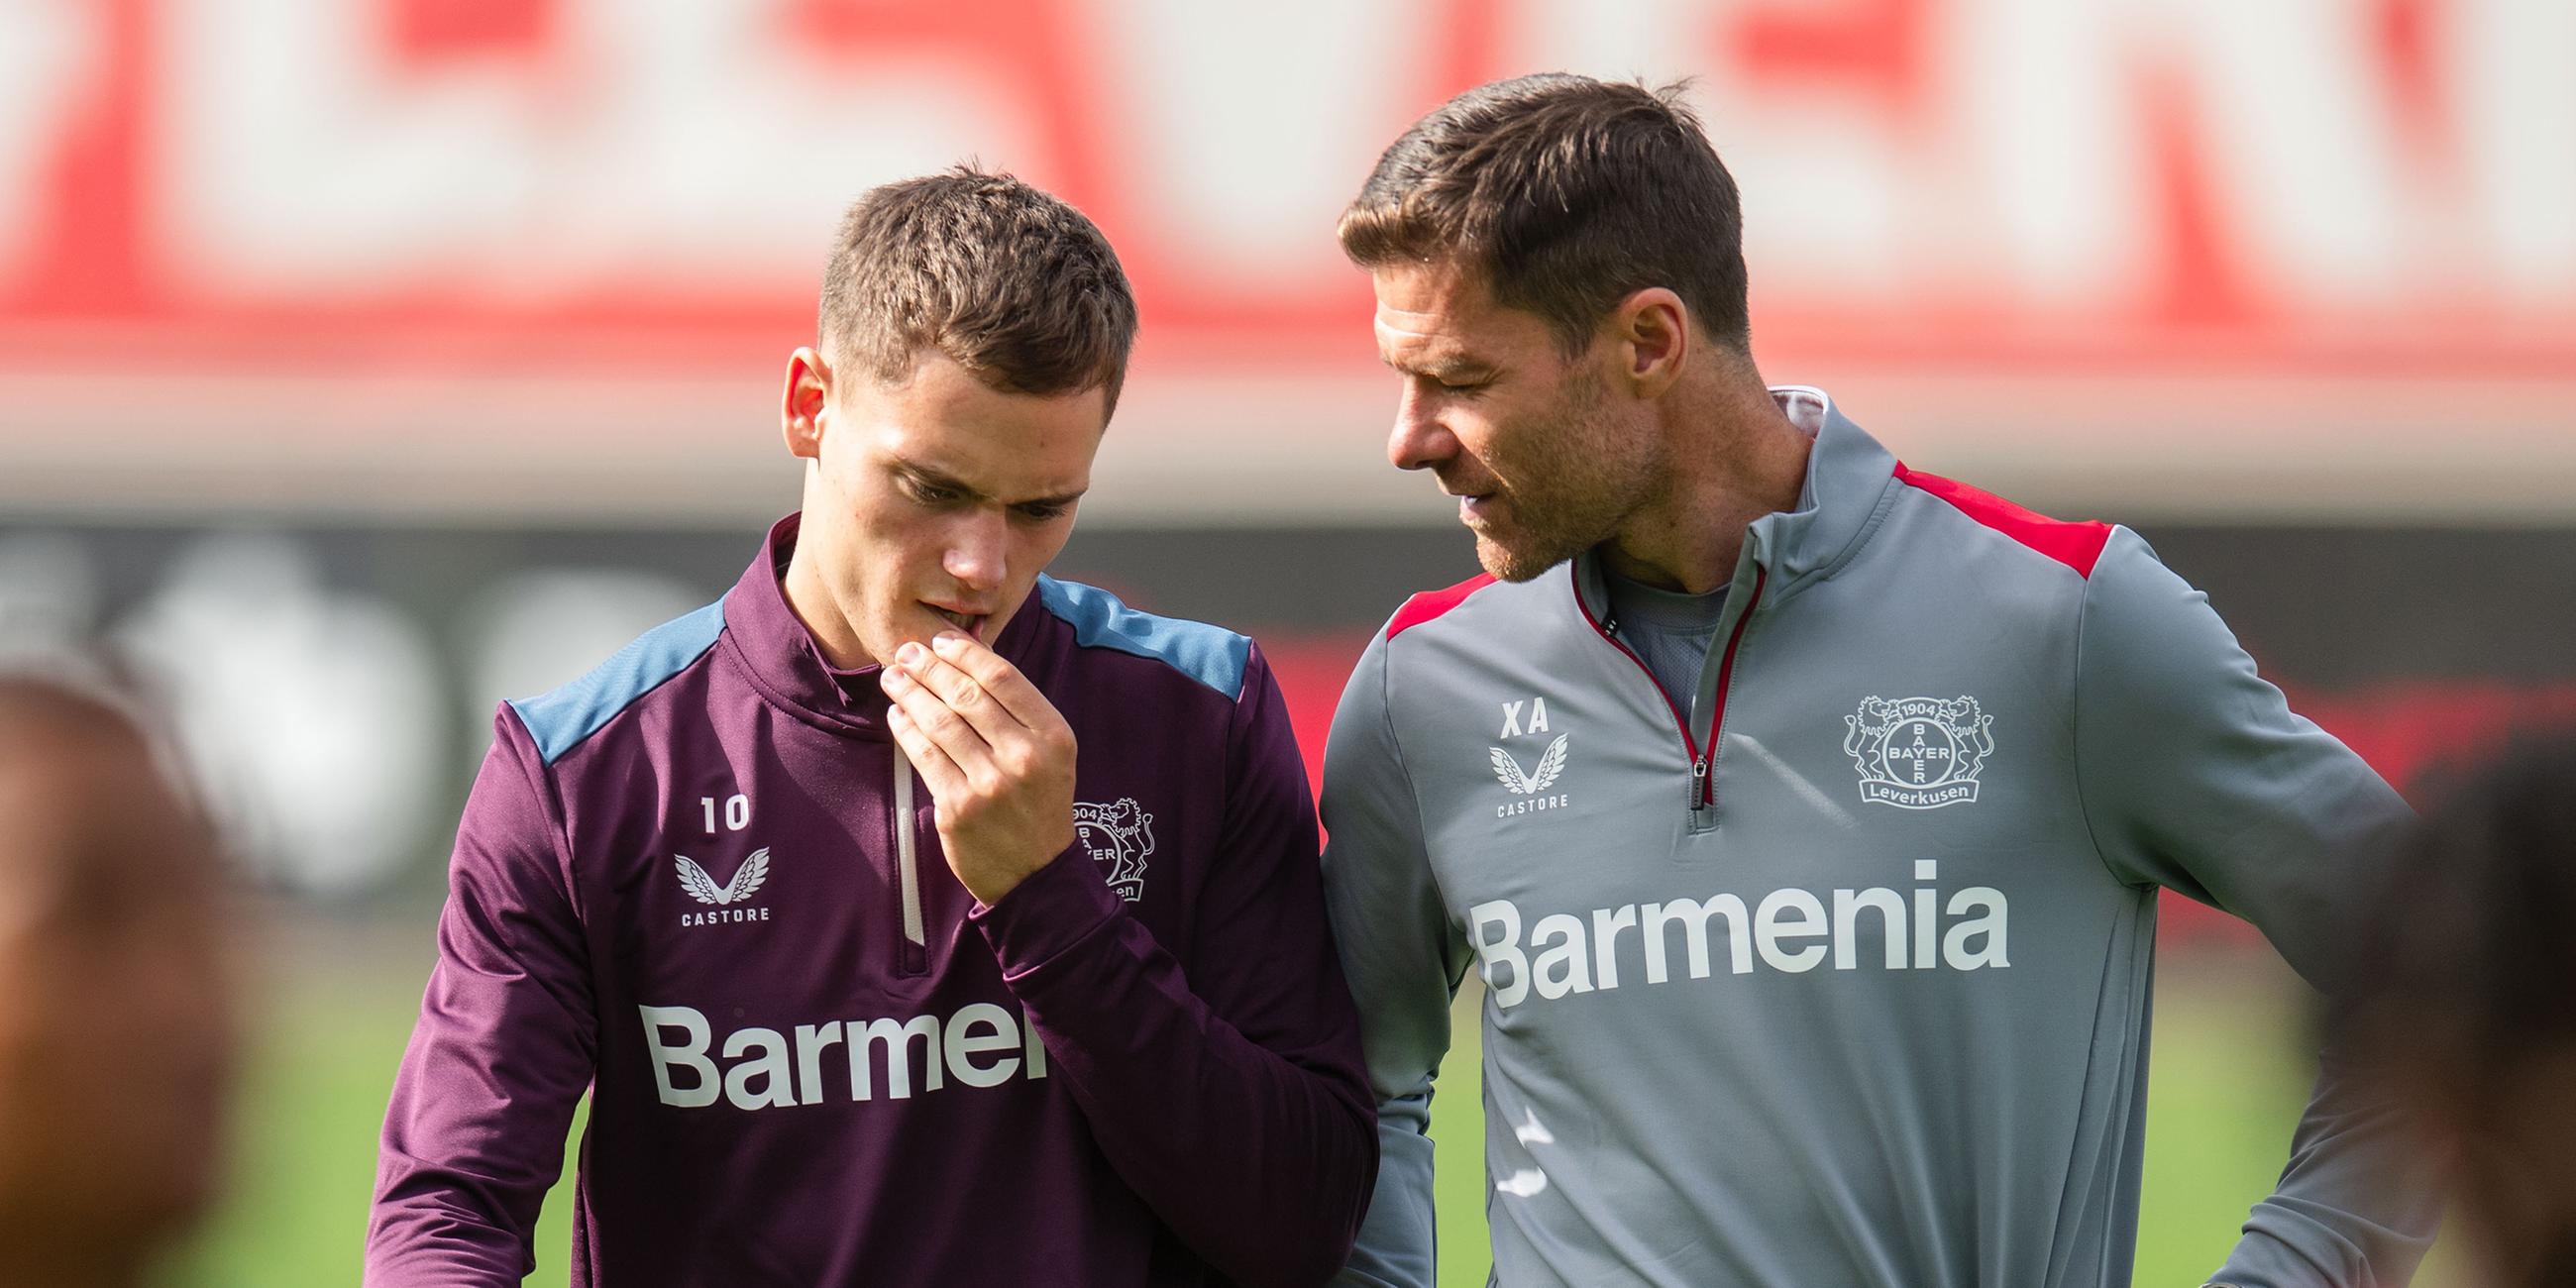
(1669,630)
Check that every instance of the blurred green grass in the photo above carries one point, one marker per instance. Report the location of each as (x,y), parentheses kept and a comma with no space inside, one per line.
(2224,1091)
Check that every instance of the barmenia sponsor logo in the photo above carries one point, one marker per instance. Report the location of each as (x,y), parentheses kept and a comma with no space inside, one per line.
(1786,930)
(982,1045)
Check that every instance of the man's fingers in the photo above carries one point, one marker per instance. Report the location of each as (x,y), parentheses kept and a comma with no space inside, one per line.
(935,719)
(959,690)
(997,677)
(938,772)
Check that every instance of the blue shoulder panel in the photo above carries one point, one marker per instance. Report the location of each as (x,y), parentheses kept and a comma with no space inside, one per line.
(1211,655)
(562,718)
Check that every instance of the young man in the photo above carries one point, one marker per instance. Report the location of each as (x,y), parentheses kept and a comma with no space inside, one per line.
(117,1021)
(871,977)
(1803,813)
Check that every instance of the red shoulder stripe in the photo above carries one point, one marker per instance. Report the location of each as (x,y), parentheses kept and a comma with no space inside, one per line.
(1432,603)
(2076,545)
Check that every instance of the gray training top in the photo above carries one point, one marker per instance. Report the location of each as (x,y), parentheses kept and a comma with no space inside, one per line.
(1670,631)
(1843,978)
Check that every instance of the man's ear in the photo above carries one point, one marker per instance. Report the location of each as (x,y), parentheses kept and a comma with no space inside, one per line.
(809,391)
(1653,329)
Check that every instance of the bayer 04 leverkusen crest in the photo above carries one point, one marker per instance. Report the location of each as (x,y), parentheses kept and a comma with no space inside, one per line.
(1919,753)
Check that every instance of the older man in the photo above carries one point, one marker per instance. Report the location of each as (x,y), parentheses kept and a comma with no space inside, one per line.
(1805,813)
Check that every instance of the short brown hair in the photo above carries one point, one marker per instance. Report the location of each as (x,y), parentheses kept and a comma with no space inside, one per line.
(1567,194)
(1007,281)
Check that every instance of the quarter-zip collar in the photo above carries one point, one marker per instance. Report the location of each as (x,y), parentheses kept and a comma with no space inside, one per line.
(1849,478)
(789,666)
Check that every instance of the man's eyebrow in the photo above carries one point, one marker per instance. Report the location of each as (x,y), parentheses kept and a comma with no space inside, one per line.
(1064,499)
(1439,362)
(1434,356)
(938,478)
(929,476)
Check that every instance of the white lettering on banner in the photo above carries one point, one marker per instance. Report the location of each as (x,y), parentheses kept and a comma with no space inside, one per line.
(1790,930)
(2027,143)
(2312,184)
(1251,119)
(48,57)
(2508,70)
(767,1070)
(1851,192)
(1903,157)
(693,125)
(336,172)
(2071,212)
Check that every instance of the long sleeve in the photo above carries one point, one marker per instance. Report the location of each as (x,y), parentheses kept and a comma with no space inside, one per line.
(505,1046)
(2196,776)
(1227,1090)
(1403,958)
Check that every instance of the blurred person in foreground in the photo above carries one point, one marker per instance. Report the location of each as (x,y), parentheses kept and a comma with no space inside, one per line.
(872,978)
(2464,1006)
(1803,812)
(117,1022)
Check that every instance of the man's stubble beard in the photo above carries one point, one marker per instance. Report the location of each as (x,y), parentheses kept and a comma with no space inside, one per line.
(1577,500)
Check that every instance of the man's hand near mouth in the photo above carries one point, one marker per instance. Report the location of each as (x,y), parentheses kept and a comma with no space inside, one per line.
(998,758)
(971,624)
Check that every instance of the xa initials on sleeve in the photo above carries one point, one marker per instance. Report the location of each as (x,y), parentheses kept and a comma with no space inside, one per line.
(1835,968)
(700,884)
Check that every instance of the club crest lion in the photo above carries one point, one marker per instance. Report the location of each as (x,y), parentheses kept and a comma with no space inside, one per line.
(1918,753)
(1120,838)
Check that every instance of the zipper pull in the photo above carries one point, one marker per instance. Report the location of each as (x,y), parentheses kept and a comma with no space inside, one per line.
(1699,782)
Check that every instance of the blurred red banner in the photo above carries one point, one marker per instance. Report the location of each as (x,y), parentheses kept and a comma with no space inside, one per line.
(648,184)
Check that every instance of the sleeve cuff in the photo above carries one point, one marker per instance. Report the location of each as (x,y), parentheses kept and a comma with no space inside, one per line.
(1057,907)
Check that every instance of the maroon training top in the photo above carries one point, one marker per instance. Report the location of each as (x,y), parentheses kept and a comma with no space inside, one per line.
(682,884)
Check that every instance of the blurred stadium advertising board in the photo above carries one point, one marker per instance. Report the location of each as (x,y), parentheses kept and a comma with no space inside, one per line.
(541,260)
(333,686)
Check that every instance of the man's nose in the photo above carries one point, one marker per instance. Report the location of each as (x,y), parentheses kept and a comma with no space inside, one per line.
(978,550)
(1418,440)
